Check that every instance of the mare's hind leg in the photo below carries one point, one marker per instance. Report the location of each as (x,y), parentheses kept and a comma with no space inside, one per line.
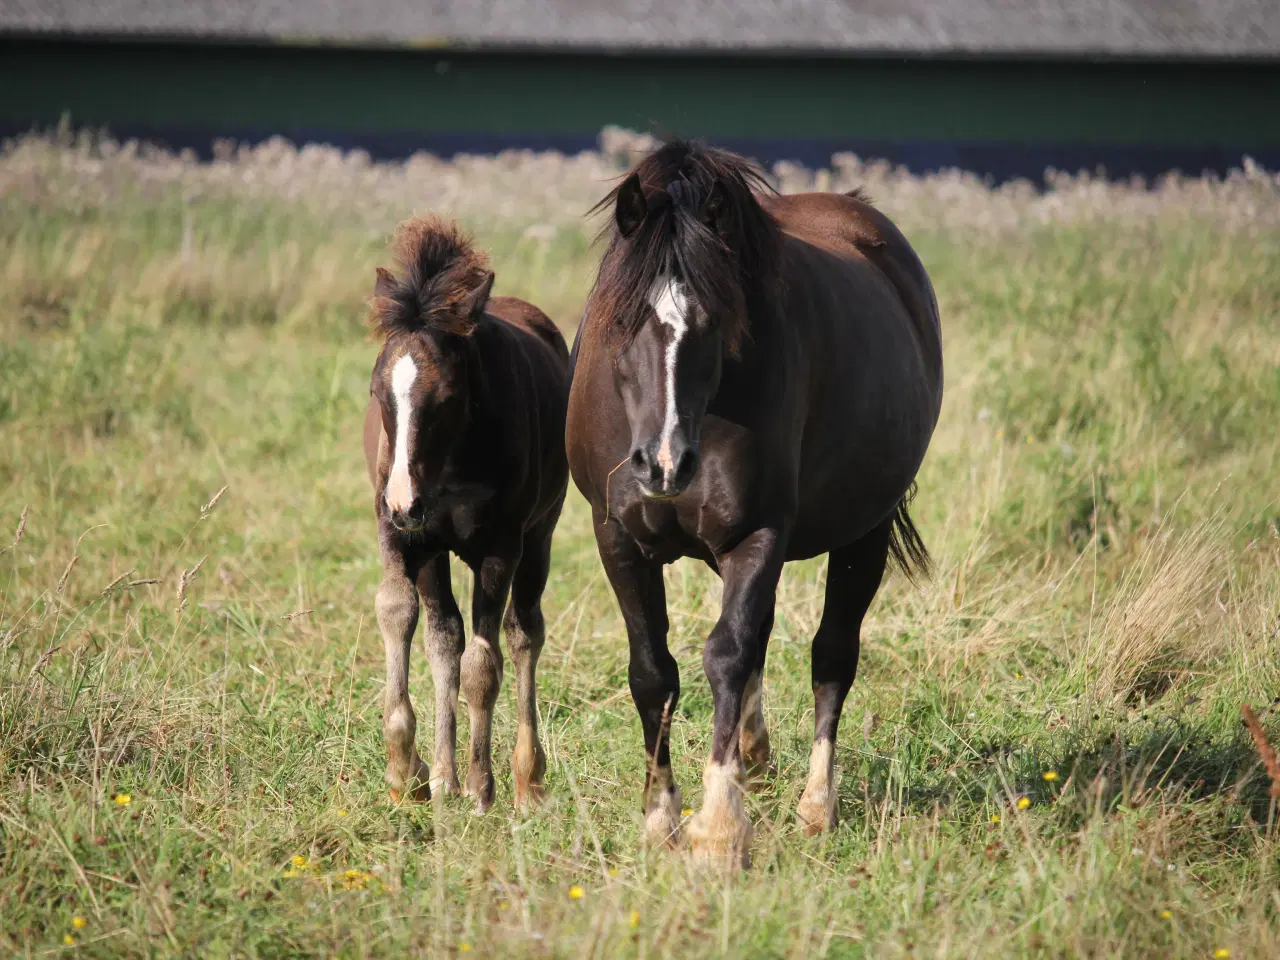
(753,735)
(443,638)
(652,673)
(526,633)
(853,577)
(397,609)
(482,674)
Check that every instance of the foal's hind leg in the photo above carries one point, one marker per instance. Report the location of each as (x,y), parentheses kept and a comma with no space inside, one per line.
(753,735)
(444,641)
(526,633)
(853,577)
(397,609)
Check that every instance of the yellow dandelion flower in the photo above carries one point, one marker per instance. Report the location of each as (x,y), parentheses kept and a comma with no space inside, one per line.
(124,799)
(341,812)
(1050,775)
(634,919)
(69,940)
(290,873)
(79,922)
(1222,953)
(576,892)
(1024,802)
(464,948)
(1166,914)
(613,871)
(355,880)
(298,861)
(687,812)
(995,818)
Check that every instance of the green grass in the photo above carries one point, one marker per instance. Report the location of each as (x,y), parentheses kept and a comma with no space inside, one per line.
(1101,498)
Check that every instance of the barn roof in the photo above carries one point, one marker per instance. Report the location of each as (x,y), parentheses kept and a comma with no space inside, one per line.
(1123,28)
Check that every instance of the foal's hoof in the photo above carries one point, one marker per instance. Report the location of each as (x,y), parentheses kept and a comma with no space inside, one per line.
(662,821)
(445,787)
(415,787)
(719,840)
(529,797)
(481,788)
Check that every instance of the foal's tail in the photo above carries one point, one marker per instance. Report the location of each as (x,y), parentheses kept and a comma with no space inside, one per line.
(906,547)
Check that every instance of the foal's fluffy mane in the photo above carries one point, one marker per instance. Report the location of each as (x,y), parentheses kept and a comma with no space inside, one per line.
(702,222)
(440,270)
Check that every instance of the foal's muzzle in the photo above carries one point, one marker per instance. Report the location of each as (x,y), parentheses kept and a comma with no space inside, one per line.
(410,519)
(663,475)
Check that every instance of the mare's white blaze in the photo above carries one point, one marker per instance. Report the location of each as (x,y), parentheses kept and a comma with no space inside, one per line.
(399,484)
(672,306)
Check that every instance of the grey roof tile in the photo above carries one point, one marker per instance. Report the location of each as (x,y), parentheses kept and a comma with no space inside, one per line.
(1204,28)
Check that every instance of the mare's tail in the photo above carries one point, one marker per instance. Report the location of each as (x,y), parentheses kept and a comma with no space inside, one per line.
(906,547)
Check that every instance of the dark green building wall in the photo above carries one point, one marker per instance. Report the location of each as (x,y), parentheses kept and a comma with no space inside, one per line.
(1003,117)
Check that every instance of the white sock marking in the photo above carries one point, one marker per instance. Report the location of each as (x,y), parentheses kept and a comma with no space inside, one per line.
(399,484)
(672,306)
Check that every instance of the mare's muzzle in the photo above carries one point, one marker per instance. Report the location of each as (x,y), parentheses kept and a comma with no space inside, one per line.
(664,469)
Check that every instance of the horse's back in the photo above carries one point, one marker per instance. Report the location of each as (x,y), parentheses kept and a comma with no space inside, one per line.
(848,224)
(526,317)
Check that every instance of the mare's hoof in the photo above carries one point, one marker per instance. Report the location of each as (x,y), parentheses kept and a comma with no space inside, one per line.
(662,821)
(719,839)
(817,814)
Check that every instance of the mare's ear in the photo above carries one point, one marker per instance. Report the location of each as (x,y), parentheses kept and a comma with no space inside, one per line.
(385,284)
(630,210)
(475,301)
(713,211)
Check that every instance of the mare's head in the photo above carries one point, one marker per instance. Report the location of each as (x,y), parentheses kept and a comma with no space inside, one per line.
(692,256)
(421,381)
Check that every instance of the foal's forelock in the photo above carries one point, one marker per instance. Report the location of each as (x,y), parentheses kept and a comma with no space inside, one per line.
(399,484)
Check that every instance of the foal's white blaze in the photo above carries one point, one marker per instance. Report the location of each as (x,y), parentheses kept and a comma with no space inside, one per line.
(399,484)
(671,304)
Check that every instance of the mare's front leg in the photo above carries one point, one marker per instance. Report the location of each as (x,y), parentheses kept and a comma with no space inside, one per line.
(397,609)
(721,830)
(482,672)
(443,636)
(652,673)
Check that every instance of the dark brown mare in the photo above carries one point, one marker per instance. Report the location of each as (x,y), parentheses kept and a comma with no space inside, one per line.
(464,439)
(756,380)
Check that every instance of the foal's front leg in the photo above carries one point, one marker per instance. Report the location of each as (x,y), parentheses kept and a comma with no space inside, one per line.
(397,609)
(443,635)
(482,673)
(721,830)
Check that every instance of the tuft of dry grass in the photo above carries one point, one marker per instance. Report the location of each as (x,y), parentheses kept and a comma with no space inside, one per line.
(1266,752)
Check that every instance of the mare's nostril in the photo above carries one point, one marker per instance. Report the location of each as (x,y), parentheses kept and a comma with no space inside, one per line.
(686,468)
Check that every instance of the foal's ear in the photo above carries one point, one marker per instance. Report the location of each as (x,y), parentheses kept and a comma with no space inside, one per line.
(630,210)
(385,284)
(475,301)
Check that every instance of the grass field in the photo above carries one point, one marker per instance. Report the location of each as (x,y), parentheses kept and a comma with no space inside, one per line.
(1042,755)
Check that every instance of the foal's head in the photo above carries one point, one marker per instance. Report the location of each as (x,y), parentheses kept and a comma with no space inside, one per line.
(421,380)
(693,256)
